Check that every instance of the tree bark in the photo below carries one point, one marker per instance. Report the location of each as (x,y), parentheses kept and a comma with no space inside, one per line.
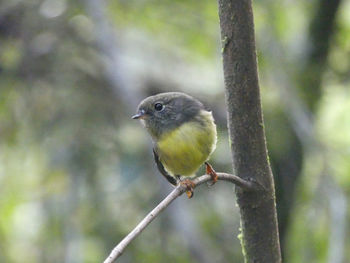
(260,242)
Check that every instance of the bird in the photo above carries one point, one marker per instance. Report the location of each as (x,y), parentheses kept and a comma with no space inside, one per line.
(183,133)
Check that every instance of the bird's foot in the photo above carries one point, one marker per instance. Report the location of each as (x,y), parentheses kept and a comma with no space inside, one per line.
(189,187)
(210,170)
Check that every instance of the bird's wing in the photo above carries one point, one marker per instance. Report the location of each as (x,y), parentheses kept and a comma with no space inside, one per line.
(162,170)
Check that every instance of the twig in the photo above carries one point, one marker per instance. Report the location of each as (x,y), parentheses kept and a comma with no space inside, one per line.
(179,190)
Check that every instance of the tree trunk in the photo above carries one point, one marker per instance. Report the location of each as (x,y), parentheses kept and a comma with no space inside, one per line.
(260,242)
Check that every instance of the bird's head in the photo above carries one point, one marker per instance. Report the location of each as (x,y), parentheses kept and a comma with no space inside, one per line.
(166,111)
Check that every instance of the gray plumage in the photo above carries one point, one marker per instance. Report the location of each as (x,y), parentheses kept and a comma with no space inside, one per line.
(178,108)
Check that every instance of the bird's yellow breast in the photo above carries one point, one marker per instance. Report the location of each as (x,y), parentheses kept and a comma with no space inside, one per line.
(183,150)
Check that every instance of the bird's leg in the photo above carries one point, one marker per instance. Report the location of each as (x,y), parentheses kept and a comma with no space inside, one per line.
(211,172)
(188,184)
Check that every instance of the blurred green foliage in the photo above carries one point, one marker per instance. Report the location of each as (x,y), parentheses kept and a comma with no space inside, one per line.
(76,173)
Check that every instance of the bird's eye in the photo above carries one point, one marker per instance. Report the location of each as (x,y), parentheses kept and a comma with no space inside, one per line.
(158,106)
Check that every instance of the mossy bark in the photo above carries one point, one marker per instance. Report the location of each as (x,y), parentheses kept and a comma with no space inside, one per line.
(250,160)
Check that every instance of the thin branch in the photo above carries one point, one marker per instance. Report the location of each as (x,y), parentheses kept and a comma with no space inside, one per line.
(179,190)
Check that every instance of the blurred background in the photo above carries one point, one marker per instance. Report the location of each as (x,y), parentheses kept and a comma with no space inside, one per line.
(77,174)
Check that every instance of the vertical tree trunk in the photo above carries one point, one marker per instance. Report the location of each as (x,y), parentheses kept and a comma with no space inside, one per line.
(260,242)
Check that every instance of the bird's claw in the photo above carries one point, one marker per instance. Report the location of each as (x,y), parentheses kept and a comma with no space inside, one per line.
(212,173)
(189,187)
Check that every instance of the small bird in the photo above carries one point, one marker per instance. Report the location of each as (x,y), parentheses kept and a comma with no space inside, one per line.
(183,133)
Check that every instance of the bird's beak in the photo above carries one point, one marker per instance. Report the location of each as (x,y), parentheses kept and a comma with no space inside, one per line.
(140,115)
